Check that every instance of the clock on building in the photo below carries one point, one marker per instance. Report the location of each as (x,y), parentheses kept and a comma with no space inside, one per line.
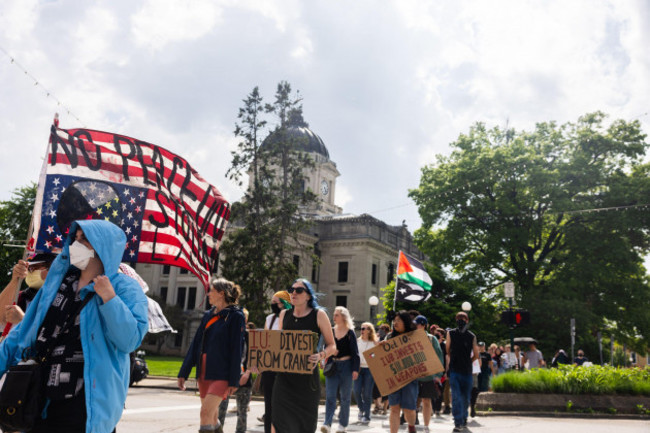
(324,187)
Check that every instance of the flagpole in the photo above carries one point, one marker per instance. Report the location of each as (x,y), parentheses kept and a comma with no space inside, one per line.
(395,293)
(30,231)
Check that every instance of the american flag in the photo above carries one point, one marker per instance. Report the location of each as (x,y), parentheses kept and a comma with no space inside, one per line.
(169,213)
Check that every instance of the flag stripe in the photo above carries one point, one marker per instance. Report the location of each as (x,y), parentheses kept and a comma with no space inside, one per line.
(169,213)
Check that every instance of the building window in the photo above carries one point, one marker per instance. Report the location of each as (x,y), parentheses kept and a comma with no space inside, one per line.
(166,269)
(163,294)
(180,297)
(343,272)
(183,271)
(178,340)
(342,301)
(390,276)
(296,262)
(191,298)
(373,275)
(314,272)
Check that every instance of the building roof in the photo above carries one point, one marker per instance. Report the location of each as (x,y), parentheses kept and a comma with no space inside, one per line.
(297,132)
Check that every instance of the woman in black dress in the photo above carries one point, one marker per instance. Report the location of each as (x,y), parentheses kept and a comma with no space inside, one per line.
(296,396)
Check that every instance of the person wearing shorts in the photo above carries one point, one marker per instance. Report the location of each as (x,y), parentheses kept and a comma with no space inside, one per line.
(217,352)
(404,398)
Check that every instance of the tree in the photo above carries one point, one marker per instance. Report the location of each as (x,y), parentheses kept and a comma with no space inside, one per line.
(521,207)
(267,221)
(15,216)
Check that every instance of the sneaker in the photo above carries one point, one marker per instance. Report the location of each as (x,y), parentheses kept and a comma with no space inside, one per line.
(426,429)
(447,411)
(457,428)
(359,417)
(261,418)
(325,428)
(365,421)
(340,429)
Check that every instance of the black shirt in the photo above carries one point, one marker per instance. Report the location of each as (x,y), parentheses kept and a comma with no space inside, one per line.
(460,358)
(64,366)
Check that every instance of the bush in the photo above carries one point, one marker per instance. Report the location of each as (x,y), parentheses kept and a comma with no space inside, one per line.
(568,379)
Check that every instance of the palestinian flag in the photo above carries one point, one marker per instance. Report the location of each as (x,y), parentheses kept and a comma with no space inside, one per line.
(413,283)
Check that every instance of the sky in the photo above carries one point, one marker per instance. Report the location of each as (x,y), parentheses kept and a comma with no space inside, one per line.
(387,85)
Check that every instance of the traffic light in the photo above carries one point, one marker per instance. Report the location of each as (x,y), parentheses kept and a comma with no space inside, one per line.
(515,317)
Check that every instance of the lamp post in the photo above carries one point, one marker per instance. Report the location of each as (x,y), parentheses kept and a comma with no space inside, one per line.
(373,301)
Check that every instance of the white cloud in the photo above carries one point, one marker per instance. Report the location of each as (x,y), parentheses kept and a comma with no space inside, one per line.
(18,18)
(387,86)
(160,22)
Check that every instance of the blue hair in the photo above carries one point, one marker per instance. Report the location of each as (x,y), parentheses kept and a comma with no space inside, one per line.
(313,302)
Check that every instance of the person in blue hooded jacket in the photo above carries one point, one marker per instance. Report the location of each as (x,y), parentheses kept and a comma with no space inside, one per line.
(87,373)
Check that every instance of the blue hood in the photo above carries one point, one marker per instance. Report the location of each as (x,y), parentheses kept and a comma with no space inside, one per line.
(107,239)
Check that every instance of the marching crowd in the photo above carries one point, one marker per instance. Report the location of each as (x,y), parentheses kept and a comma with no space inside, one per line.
(81,317)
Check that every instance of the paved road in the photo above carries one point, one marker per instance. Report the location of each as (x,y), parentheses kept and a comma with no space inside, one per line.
(150,410)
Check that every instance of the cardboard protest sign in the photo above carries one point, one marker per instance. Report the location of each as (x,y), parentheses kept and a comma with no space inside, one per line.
(396,362)
(285,351)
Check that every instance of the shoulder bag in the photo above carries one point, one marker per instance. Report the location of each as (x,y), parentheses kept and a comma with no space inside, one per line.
(21,388)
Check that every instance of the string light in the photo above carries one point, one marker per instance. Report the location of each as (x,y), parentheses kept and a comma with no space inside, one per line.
(48,93)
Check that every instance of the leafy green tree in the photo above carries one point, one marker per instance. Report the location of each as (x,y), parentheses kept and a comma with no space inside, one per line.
(15,216)
(266,223)
(520,206)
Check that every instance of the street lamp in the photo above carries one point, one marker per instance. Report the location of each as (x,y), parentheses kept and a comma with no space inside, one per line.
(466,306)
(373,301)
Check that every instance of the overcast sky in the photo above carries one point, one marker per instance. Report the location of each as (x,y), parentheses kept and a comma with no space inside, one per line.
(386,84)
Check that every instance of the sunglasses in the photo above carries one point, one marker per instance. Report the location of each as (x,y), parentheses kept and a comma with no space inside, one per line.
(365,329)
(299,290)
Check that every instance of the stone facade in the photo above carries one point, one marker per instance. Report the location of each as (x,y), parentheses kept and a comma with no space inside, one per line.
(358,254)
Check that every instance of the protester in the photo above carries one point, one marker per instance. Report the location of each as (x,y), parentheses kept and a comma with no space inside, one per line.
(519,358)
(347,370)
(216,351)
(580,359)
(296,396)
(427,390)
(33,271)
(279,302)
(497,360)
(461,351)
(243,393)
(509,360)
(534,357)
(384,329)
(486,369)
(87,386)
(560,358)
(405,398)
(440,386)
(364,383)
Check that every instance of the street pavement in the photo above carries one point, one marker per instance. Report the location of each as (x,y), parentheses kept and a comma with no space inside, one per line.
(154,406)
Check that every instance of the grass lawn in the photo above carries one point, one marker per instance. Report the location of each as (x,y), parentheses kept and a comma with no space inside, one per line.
(165,365)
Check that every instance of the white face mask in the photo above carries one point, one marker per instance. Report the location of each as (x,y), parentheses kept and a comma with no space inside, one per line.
(80,255)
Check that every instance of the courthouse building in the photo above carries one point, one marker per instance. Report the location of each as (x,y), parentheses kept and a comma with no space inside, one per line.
(358,253)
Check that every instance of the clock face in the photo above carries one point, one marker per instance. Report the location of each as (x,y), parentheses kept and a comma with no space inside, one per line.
(324,187)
